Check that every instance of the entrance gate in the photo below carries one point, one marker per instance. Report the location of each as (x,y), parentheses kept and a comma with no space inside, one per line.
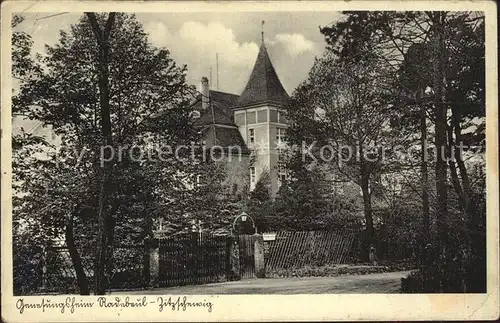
(246,244)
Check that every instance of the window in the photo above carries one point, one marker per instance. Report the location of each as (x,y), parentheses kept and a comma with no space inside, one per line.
(251,136)
(262,116)
(282,175)
(280,136)
(251,117)
(282,172)
(252,175)
(273,116)
(277,116)
(239,119)
(282,178)
(281,117)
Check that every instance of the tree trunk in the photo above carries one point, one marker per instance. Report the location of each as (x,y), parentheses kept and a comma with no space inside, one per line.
(106,221)
(147,238)
(454,174)
(367,203)
(476,256)
(81,278)
(385,252)
(467,190)
(440,130)
(425,178)
(462,199)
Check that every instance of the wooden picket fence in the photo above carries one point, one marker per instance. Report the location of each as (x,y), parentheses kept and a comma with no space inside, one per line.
(314,248)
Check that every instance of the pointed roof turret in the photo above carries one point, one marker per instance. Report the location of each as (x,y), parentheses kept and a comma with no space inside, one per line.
(263,86)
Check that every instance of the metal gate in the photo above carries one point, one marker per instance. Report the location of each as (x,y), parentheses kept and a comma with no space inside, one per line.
(247,260)
(194,258)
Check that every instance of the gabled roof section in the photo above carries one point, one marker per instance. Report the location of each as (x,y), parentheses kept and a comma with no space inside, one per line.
(227,99)
(216,121)
(224,137)
(263,85)
(219,111)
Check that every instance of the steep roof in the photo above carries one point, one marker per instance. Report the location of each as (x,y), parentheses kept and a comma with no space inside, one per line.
(263,85)
(228,99)
(217,121)
(221,104)
(224,137)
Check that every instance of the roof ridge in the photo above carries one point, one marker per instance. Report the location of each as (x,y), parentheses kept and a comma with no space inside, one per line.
(224,92)
(266,67)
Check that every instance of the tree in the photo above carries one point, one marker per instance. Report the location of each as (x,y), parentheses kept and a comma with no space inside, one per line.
(23,68)
(348,119)
(106,230)
(414,80)
(148,109)
(464,70)
(386,37)
(260,204)
(22,62)
(389,38)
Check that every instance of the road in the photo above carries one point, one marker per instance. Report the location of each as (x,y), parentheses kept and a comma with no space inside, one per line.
(372,283)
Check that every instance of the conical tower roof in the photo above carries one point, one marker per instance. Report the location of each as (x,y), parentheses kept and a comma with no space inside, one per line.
(263,86)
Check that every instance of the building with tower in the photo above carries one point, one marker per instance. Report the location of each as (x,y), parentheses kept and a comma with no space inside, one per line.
(255,120)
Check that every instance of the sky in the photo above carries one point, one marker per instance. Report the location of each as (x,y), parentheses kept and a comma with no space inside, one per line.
(293,41)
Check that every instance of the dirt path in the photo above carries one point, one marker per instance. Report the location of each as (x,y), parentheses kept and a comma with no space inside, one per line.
(372,283)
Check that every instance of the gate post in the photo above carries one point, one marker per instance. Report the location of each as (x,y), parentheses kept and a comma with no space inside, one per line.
(260,269)
(154,263)
(233,263)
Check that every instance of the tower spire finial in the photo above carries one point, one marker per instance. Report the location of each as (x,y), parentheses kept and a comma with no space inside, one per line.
(262,32)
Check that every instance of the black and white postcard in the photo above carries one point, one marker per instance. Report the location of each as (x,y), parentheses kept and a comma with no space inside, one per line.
(249,161)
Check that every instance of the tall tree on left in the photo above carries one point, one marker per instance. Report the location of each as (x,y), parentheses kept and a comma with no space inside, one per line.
(103,88)
(106,230)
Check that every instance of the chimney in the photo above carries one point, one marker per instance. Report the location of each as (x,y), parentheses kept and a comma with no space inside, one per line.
(205,93)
